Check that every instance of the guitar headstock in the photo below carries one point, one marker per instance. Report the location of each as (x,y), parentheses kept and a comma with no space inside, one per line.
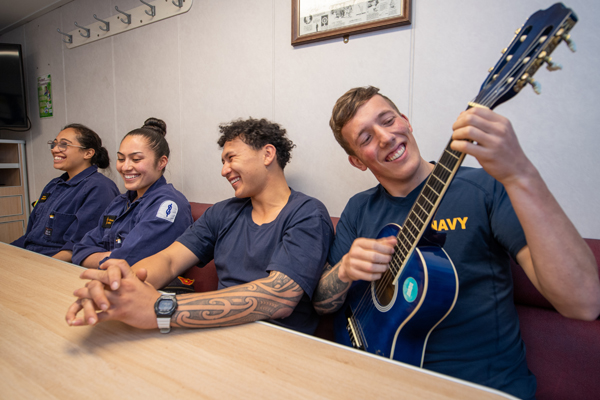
(527,52)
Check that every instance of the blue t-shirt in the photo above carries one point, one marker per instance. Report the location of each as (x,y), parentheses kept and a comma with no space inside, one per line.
(133,230)
(66,211)
(479,341)
(296,244)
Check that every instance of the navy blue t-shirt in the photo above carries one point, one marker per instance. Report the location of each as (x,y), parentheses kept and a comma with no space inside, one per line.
(296,244)
(479,340)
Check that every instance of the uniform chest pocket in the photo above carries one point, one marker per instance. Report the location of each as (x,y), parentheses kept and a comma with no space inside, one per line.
(113,239)
(57,227)
(119,239)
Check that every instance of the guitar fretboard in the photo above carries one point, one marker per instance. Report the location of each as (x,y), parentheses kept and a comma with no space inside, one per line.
(424,208)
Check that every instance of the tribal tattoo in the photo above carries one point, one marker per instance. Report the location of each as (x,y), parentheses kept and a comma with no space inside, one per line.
(331,291)
(270,298)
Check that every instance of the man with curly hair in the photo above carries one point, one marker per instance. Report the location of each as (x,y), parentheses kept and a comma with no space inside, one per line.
(269,244)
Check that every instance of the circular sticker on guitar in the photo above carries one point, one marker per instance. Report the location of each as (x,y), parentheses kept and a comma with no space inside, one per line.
(410,290)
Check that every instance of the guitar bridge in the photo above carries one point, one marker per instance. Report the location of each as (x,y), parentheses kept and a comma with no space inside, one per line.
(353,332)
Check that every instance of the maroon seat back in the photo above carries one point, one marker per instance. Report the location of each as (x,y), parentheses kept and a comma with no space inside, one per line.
(564,354)
(205,278)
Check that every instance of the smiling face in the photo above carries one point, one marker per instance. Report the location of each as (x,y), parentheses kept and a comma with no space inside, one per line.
(73,160)
(382,141)
(137,164)
(244,168)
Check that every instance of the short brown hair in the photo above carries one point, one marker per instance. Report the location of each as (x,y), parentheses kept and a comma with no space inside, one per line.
(346,107)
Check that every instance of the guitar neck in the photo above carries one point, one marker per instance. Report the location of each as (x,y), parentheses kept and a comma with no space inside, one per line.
(528,51)
(425,206)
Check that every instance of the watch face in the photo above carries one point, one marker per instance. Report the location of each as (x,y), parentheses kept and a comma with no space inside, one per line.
(165,305)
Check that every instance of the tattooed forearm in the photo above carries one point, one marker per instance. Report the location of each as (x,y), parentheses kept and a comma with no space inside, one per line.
(331,291)
(273,297)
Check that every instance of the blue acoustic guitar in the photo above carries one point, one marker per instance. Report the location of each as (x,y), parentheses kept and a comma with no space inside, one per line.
(394,316)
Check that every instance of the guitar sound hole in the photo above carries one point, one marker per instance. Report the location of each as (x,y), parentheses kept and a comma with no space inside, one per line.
(384,289)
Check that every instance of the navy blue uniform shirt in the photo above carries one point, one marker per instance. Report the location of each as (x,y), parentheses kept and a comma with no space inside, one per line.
(133,230)
(66,211)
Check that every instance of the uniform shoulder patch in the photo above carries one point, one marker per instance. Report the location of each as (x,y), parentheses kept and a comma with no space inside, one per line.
(167,210)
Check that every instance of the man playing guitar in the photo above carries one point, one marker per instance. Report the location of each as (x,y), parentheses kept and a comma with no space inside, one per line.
(489,214)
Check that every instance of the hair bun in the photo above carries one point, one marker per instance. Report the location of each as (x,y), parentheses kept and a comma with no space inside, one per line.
(157,125)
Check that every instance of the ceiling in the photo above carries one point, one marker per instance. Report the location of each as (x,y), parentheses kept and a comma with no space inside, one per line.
(14,13)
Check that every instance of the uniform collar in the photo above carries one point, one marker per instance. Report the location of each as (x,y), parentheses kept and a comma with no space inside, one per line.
(132,194)
(79,177)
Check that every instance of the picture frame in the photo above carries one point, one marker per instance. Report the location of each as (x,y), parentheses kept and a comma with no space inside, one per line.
(316,20)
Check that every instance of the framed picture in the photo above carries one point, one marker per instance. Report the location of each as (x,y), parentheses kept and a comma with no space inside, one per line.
(314,20)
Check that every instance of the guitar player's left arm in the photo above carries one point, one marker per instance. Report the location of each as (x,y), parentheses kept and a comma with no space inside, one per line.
(556,259)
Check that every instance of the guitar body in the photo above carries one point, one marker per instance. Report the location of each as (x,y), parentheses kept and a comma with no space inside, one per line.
(406,311)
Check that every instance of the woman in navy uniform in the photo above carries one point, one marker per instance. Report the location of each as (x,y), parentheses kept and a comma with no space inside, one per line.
(150,215)
(71,204)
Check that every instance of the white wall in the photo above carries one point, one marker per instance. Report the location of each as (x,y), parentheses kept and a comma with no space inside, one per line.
(226,59)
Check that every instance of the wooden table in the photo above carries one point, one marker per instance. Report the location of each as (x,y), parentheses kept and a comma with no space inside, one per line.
(42,357)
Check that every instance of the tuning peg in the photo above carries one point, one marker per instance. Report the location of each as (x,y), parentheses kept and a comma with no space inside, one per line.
(537,88)
(570,42)
(552,66)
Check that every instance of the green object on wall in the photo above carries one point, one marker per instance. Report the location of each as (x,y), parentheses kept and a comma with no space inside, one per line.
(45,96)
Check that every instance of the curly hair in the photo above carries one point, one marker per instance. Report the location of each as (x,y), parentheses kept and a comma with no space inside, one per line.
(345,109)
(257,133)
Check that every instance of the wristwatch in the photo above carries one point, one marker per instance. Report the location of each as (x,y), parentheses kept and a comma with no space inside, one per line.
(164,308)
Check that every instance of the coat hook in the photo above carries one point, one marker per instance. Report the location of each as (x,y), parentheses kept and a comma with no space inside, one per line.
(128,21)
(152,12)
(179,3)
(87,31)
(69,37)
(106,24)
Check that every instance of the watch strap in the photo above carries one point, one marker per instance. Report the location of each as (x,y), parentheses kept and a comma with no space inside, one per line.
(164,324)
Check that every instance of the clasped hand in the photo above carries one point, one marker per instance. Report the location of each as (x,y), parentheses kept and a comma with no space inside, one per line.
(114,293)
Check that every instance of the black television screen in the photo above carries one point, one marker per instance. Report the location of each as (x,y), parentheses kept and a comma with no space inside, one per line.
(13,106)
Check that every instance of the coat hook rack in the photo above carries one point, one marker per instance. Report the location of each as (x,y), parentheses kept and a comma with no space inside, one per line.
(106,24)
(152,12)
(69,37)
(123,21)
(87,31)
(128,16)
